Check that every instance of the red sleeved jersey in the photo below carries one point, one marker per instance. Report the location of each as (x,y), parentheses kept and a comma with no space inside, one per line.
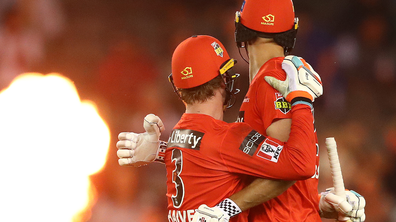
(207,160)
(262,106)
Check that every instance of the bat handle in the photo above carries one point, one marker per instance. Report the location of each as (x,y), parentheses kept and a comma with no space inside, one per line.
(338,182)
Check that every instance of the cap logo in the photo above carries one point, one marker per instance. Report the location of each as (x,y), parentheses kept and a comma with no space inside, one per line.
(219,51)
(268,19)
(187,73)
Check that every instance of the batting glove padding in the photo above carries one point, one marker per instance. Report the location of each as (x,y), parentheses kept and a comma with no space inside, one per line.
(210,214)
(350,209)
(301,80)
(137,149)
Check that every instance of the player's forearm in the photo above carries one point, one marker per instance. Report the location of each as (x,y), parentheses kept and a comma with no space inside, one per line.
(260,191)
(302,142)
(297,156)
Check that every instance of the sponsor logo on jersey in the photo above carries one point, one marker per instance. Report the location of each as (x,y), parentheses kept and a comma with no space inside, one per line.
(268,19)
(185,138)
(241,117)
(270,150)
(251,142)
(246,99)
(281,104)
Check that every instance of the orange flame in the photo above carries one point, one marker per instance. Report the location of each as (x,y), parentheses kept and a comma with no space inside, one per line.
(50,142)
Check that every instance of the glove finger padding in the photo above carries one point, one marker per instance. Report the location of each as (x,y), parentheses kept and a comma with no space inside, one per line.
(351,208)
(339,203)
(358,204)
(281,86)
(126,162)
(128,136)
(125,153)
(153,124)
(126,144)
(303,80)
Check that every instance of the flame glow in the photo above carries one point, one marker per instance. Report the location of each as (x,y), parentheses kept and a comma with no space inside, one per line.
(50,142)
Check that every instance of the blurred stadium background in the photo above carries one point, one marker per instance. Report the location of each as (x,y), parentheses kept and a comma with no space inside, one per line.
(118,55)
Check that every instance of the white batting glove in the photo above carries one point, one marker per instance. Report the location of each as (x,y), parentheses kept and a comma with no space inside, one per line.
(210,214)
(350,209)
(138,149)
(301,80)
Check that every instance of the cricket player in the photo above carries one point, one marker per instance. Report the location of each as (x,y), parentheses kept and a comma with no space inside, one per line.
(206,158)
(267,30)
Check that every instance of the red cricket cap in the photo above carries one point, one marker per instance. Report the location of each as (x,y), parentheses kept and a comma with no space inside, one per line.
(197,60)
(269,16)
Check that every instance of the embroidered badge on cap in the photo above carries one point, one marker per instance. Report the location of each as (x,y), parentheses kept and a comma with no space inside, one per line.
(219,51)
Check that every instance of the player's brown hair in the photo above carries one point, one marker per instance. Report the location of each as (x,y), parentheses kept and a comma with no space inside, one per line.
(203,92)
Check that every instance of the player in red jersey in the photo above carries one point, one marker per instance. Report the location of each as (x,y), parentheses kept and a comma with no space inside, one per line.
(206,158)
(267,30)
(266,110)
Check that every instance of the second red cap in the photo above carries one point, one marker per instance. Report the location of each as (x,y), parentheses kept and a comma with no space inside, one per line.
(269,16)
(197,60)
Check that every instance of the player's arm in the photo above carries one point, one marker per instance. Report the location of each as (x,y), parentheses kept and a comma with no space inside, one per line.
(259,191)
(294,159)
(263,190)
(138,149)
(330,205)
(301,94)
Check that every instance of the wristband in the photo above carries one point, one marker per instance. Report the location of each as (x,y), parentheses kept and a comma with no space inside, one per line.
(229,207)
(301,100)
(161,152)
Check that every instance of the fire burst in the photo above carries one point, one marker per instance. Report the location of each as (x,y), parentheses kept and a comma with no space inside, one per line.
(50,142)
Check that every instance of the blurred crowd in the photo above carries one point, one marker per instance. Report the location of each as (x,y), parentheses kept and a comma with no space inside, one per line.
(118,53)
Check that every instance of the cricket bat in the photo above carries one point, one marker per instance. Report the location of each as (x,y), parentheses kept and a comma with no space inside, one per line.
(335,167)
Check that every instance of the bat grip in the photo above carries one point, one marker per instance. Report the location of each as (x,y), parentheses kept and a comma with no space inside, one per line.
(338,182)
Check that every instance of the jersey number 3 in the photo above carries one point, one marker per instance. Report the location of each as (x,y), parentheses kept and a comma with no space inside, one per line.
(177,158)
